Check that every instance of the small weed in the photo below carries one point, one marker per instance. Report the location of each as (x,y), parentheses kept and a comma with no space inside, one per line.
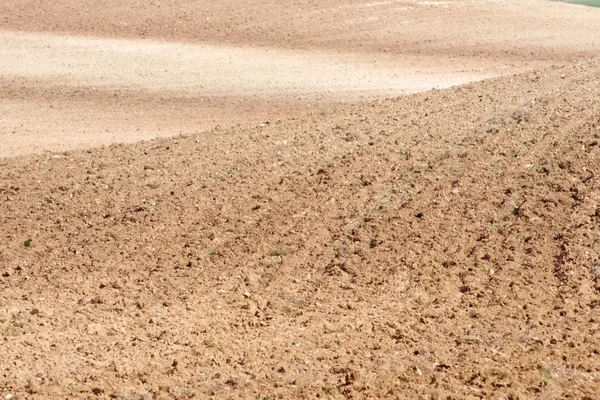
(285,310)
(502,375)
(281,252)
(545,373)
(337,331)
(213,253)
(110,235)
(182,391)
(195,273)
(327,391)
(28,242)
(266,398)
(12,331)
(231,302)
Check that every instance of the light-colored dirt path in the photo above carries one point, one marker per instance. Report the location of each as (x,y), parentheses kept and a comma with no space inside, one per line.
(61,92)
(507,30)
(171,68)
(88,73)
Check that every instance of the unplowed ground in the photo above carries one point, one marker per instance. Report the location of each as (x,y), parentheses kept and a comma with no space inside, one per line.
(78,74)
(440,245)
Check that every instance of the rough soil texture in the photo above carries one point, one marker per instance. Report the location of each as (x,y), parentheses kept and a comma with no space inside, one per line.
(443,245)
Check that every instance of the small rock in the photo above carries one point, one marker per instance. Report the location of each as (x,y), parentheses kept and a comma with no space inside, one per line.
(247,294)
(9,396)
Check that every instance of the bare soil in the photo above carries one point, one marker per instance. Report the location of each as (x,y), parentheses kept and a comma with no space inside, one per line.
(442,245)
(101,72)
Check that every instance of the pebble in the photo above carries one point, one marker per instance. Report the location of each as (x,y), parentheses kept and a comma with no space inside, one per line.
(9,396)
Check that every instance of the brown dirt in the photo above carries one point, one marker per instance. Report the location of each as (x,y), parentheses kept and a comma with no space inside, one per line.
(444,244)
(440,245)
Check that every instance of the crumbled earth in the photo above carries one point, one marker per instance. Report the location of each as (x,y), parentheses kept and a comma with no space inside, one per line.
(443,245)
